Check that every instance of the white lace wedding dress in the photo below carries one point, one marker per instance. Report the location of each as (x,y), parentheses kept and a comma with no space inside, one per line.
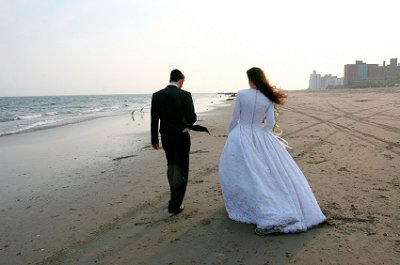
(261,183)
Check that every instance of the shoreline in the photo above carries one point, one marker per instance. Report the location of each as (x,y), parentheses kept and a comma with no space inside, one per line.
(116,211)
(18,121)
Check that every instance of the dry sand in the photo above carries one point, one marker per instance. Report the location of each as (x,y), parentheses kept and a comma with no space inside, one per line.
(112,209)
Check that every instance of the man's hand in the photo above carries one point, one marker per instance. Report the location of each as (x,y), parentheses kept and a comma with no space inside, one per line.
(156,146)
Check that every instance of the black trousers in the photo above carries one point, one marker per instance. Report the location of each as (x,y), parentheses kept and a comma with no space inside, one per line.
(177,148)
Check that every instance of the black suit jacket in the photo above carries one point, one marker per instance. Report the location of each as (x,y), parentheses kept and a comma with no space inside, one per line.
(174,108)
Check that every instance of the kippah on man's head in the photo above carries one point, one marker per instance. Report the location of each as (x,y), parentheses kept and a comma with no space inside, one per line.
(176,75)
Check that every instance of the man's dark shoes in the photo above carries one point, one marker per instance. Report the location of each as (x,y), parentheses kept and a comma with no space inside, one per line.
(178,210)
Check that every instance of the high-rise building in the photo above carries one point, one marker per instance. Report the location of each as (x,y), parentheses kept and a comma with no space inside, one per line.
(317,81)
(329,81)
(361,74)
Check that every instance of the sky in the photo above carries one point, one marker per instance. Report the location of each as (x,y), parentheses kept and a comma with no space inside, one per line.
(77,47)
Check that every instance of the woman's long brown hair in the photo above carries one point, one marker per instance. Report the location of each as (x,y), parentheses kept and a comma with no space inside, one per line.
(257,76)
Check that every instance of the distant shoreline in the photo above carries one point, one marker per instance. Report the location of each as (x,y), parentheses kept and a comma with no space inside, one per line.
(28,114)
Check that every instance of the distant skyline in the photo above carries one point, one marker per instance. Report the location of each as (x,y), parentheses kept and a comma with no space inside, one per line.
(124,47)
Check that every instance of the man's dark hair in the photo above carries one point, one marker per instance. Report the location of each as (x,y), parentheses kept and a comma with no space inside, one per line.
(176,75)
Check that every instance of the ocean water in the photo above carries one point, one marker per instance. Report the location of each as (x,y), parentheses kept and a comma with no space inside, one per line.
(26,114)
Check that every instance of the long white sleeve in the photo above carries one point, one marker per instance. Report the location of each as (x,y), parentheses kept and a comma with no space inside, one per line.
(270,117)
(235,115)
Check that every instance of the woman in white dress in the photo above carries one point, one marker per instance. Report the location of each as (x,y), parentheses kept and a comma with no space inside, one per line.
(261,183)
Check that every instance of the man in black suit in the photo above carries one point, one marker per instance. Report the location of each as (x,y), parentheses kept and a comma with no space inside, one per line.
(174,108)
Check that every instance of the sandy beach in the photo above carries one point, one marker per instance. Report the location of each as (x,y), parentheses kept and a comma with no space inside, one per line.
(96,193)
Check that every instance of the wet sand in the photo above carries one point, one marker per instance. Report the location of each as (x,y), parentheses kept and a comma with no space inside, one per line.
(70,198)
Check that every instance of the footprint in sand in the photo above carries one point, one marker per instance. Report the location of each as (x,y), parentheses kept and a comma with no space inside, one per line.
(199,152)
